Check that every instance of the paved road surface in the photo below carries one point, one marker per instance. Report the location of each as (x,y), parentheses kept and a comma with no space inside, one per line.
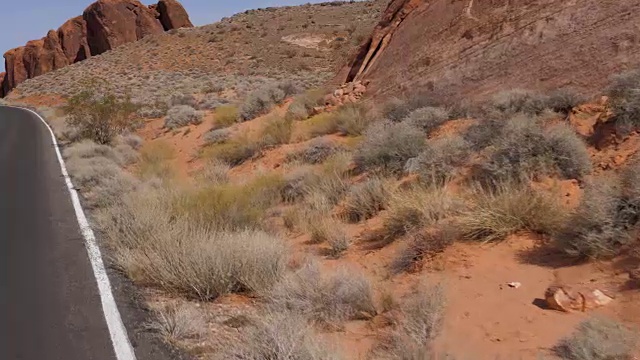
(50,307)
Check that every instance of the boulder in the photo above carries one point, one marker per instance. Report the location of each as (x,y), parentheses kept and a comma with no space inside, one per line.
(111,23)
(14,65)
(2,76)
(567,299)
(172,15)
(73,40)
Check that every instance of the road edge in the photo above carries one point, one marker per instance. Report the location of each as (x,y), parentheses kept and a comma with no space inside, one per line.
(117,330)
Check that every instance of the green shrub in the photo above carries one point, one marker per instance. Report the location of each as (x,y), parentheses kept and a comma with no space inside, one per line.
(495,213)
(599,339)
(321,124)
(388,146)
(100,119)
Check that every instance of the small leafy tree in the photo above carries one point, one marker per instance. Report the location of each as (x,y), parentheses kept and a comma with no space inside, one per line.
(100,118)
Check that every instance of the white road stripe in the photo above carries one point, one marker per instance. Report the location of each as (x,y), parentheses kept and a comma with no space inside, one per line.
(120,340)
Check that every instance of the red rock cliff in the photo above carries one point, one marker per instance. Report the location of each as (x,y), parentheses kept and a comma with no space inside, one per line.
(472,48)
(104,25)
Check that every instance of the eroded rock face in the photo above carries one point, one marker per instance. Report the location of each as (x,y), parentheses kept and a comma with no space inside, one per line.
(111,23)
(474,48)
(103,26)
(2,90)
(73,39)
(172,15)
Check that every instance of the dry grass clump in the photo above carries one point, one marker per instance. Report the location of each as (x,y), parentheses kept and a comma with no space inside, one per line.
(230,206)
(177,322)
(427,118)
(387,146)
(182,115)
(100,119)
(278,336)
(318,125)
(605,222)
(352,119)
(155,160)
(157,243)
(324,297)
(416,208)
(599,339)
(234,151)
(214,172)
(421,322)
(495,213)
(302,106)
(366,199)
(96,171)
(624,99)
(421,245)
(262,100)
(276,131)
(226,116)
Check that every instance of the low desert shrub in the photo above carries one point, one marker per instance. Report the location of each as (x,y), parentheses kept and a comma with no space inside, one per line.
(230,206)
(563,101)
(606,219)
(262,100)
(324,297)
(524,149)
(416,208)
(352,119)
(276,131)
(366,199)
(422,320)
(233,152)
(216,136)
(278,336)
(157,244)
(182,115)
(155,160)
(327,189)
(427,118)
(186,99)
(211,102)
(421,245)
(387,146)
(440,161)
(624,100)
(296,184)
(397,110)
(100,119)
(599,339)
(302,106)
(316,152)
(226,116)
(215,172)
(321,124)
(494,213)
(520,101)
(175,323)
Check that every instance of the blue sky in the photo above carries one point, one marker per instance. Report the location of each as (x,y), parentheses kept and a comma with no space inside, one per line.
(26,20)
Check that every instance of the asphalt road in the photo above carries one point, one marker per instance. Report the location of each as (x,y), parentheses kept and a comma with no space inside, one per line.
(50,308)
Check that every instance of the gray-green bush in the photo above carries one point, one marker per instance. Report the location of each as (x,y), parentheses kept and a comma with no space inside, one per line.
(262,100)
(182,115)
(428,118)
(440,160)
(599,339)
(624,99)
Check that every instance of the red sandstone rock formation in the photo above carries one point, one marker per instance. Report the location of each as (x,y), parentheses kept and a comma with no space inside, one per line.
(473,48)
(103,26)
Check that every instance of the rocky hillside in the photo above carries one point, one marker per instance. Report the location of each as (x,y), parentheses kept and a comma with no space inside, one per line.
(306,44)
(472,48)
(104,25)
